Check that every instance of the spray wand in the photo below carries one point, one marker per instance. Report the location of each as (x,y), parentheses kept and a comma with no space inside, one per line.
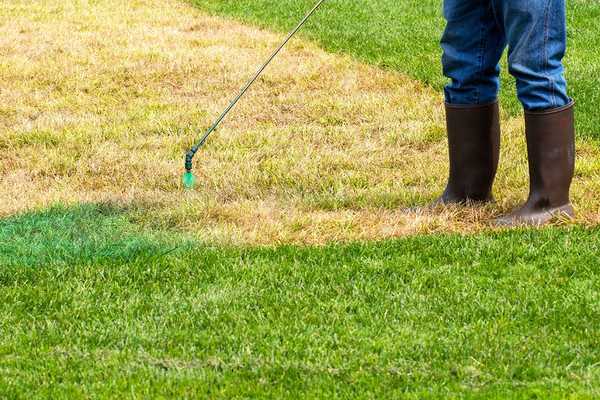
(188,176)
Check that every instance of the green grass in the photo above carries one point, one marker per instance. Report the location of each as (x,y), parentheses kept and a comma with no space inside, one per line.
(404,35)
(91,305)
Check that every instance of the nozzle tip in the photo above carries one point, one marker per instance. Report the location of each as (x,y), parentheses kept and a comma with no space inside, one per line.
(188,180)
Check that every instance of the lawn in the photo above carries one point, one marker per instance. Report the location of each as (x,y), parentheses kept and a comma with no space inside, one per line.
(100,102)
(94,306)
(297,268)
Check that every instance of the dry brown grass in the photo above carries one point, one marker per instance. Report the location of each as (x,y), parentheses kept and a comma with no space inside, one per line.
(100,99)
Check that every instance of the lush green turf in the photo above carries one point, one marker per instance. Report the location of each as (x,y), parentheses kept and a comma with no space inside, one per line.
(93,306)
(404,35)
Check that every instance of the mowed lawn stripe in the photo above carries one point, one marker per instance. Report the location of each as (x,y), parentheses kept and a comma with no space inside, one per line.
(97,307)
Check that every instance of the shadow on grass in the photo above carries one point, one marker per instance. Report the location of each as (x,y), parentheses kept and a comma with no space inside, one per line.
(101,234)
(82,234)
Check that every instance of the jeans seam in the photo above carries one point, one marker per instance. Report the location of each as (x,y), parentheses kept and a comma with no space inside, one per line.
(494,13)
(546,56)
(482,45)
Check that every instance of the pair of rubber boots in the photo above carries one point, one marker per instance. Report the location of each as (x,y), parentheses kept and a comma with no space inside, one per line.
(474,143)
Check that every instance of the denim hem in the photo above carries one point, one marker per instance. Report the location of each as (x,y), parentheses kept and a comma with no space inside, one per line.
(552,110)
(476,105)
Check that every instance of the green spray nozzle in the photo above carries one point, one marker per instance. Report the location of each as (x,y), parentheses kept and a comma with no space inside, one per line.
(188,180)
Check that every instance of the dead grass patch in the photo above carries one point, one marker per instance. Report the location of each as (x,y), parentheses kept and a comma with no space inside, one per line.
(100,99)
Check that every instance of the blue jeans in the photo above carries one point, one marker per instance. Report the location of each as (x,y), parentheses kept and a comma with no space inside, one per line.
(476,35)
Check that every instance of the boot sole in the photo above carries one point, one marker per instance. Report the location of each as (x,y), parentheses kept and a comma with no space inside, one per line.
(440,204)
(537,219)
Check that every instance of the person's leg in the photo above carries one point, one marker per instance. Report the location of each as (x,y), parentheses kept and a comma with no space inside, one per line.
(536,35)
(473,43)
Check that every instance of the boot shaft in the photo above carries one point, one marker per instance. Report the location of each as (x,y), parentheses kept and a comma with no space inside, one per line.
(474,147)
(551,155)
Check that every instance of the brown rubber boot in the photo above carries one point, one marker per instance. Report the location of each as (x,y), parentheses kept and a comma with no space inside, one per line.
(551,151)
(474,144)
